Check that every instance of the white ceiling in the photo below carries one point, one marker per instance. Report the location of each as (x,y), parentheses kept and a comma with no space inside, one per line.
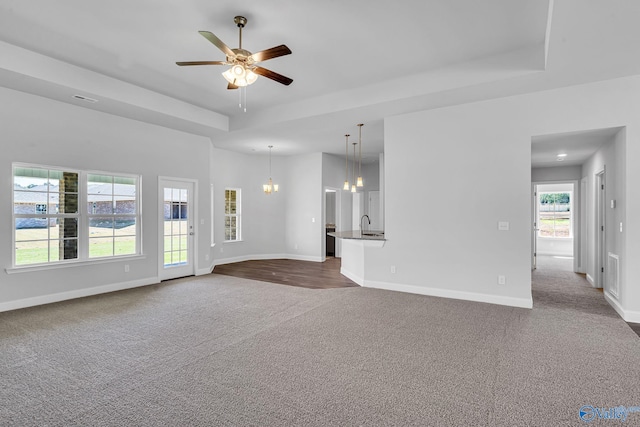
(578,147)
(353,62)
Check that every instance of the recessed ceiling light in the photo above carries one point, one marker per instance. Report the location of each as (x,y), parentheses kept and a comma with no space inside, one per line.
(562,155)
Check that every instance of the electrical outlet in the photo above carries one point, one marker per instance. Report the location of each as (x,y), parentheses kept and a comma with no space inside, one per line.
(502,280)
(393,269)
(295,246)
(206,257)
(126,268)
(221,250)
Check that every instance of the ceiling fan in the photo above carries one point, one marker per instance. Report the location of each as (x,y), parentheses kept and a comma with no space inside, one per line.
(244,70)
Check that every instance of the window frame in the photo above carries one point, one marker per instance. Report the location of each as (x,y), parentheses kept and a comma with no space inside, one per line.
(237,215)
(82,217)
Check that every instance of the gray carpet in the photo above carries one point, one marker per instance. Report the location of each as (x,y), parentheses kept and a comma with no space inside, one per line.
(218,350)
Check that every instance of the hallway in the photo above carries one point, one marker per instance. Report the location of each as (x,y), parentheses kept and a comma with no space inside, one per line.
(555,285)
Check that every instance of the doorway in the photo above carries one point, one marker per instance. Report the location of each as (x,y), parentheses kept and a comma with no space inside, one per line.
(330,215)
(555,226)
(176,234)
(333,220)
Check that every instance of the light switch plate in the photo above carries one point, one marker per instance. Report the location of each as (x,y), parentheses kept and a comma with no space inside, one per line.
(503,225)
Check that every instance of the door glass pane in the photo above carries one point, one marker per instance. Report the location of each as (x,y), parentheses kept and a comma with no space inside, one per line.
(176,228)
(555,214)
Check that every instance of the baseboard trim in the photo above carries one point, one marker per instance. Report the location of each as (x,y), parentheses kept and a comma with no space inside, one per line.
(351,276)
(591,281)
(207,270)
(242,258)
(305,258)
(255,257)
(78,293)
(449,293)
(627,315)
(632,316)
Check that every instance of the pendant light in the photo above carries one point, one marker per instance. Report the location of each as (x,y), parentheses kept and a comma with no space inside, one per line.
(346,163)
(353,186)
(270,186)
(360,182)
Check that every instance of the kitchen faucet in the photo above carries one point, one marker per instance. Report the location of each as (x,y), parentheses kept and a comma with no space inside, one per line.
(368,219)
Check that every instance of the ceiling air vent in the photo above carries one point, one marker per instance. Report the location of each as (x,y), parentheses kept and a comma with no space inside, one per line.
(85,98)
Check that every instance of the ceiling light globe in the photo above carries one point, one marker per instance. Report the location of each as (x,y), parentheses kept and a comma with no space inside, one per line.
(251,77)
(228,76)
(238,70)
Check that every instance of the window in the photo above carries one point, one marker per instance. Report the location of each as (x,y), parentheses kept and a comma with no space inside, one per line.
(555,214)
(232,215)
(112,212)
(50,225)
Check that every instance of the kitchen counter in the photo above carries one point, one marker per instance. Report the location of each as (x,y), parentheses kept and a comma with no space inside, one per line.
(358,235)
(355,245)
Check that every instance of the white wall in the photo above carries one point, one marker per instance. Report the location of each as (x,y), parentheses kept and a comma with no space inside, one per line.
(304,212)
(262,216)
(42,131)
(476,159)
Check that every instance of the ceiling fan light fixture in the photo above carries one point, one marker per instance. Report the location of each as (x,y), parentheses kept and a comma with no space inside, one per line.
(240,76)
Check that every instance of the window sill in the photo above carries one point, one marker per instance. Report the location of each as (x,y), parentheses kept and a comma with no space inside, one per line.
(67,264)
(233,241)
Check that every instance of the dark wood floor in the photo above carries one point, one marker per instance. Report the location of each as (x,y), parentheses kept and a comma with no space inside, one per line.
(306,274)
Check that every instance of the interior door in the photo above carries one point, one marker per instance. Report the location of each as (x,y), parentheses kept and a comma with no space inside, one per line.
(176,229)
(601,231)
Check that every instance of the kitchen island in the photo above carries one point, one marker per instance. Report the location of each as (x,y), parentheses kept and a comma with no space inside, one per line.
(354,243)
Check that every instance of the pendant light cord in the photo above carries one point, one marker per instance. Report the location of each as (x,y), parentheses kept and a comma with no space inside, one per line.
(346,158)
(360,149)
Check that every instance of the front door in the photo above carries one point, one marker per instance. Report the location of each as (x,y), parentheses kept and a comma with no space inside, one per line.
(176,229)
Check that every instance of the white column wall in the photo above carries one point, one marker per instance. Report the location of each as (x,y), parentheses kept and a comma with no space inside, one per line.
(304,226)
(475,160)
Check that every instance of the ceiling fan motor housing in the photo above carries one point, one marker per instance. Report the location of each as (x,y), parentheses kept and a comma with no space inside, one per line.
(240,21)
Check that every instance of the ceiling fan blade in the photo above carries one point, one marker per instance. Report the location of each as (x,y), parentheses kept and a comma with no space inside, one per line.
(201,63)
(274,52)
(231,86)
(216,41)
(273,75)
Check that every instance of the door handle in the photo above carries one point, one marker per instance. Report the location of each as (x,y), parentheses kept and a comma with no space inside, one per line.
(191,233)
